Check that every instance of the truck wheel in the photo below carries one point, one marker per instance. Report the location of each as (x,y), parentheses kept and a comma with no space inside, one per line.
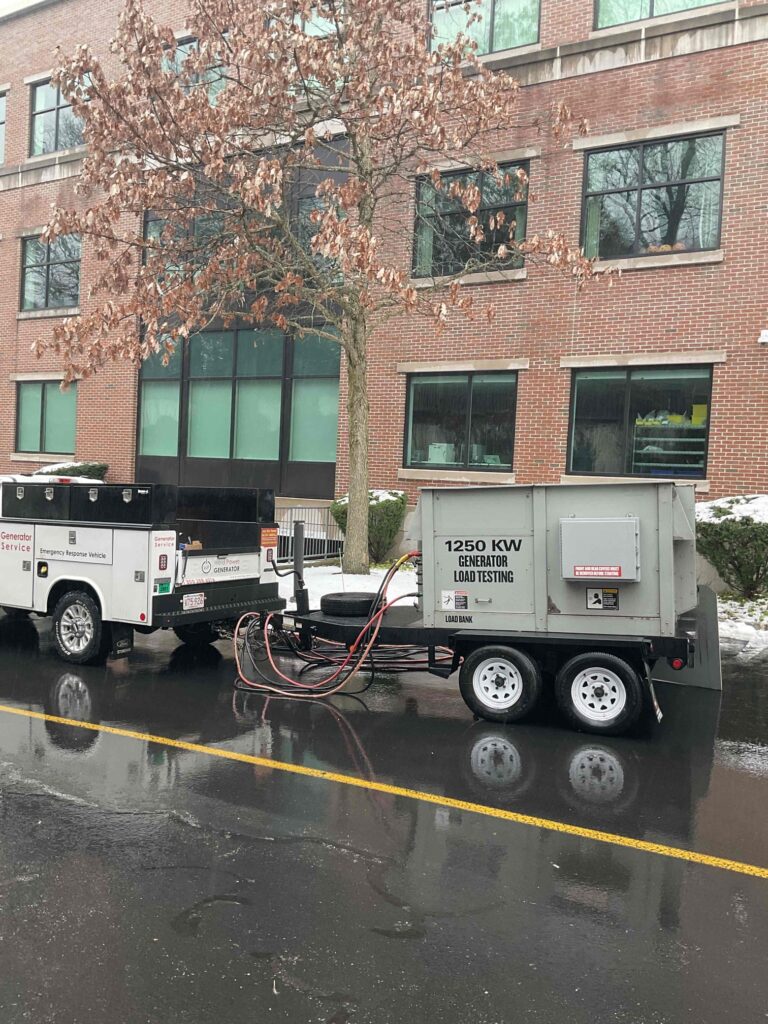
(500,684)
(77,628)
(196,634)
(599,693)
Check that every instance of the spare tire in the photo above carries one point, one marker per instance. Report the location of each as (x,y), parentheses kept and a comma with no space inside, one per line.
(347,606)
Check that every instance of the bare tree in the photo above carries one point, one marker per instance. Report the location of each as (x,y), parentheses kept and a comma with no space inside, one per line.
(278,157)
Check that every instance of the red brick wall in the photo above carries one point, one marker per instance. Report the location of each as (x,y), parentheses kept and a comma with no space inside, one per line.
(541,319)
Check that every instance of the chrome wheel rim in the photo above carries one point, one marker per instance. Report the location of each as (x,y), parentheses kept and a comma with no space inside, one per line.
(76,628)
(495,761)
(497,684)
(73,698)
(598,694)
(596,775)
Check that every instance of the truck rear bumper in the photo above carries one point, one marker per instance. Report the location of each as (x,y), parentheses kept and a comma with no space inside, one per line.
(221,601)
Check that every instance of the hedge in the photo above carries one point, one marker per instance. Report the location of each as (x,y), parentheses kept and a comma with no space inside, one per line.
(386,515)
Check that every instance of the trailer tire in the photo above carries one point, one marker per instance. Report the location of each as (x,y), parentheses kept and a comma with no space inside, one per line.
(347,606)
(197,634)
(500,684)
(599,693)
(78,630)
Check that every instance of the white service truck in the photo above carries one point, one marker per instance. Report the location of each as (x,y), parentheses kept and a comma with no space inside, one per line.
(106,561)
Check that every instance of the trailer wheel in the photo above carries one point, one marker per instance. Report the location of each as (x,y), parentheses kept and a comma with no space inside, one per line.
(77,628)
(500,684)
(196,634)
(599,693)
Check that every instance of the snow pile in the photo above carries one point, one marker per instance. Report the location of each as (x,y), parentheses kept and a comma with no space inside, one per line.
(329,579)
(741,506)
(375,497)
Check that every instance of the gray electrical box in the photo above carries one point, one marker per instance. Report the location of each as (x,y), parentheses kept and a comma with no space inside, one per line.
(546,559)
(600,549)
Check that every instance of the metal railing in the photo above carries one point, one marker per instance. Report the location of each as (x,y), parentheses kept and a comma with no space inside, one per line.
(323,540)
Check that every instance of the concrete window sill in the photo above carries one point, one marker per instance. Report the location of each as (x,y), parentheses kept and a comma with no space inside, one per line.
(39,457)
(700,486)
(666,259)
(456,476)
(45,314)
(483,277)
(58,156)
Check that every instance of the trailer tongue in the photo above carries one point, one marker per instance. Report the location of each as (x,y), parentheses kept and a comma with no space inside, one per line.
(107,560)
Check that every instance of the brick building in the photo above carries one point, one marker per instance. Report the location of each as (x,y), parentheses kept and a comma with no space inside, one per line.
(662,374)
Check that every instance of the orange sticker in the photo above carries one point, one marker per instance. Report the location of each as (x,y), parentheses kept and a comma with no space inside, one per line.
(269,537)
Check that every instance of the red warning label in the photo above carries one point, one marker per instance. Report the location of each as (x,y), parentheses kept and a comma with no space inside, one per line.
(269,537)
(598,571)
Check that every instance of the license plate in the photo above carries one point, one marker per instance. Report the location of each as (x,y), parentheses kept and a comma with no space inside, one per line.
(191,601)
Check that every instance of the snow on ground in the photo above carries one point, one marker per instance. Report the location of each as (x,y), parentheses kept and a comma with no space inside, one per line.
(375,497)
(329,579)
(742,506)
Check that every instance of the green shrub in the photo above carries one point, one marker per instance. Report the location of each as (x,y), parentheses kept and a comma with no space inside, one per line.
(93,470)
(386,515)
(736,545)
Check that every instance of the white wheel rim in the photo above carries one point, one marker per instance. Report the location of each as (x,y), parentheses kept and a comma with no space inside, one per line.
(76,628)
(596,775)
(497,683)
(598,694)
(495,761)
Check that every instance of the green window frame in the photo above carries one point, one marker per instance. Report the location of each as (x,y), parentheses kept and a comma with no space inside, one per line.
(50,273)
(650,421)
(503,25)
(46,417)
(654,197)
(442,243)
(53,126)
(461,421)
(623,12)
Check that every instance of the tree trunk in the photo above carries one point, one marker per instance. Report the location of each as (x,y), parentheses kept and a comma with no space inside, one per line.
(356,559)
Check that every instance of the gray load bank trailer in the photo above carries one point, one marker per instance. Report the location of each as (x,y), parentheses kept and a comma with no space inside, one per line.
(587,588)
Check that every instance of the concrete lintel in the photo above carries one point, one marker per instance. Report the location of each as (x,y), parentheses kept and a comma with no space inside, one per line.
(38,77)
(464,366)
(693,358)
(36,375)
(659,131)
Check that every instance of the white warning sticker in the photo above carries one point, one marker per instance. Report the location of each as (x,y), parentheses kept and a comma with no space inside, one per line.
(454,601)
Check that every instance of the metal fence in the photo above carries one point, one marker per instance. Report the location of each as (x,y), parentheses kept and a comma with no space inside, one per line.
(323,539)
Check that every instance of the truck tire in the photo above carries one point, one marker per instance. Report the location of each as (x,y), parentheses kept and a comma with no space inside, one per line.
(599,693)
(347,606)
(500,684)
(196,634)
(78,631)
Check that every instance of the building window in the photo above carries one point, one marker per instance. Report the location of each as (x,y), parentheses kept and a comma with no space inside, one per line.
(225,397)
(3,106)
(45,417)
(645,422)
(618,12)
(503,24)
(443,245)
(654,197)
(54,126)
(212,79)
(461,421)
(50,273)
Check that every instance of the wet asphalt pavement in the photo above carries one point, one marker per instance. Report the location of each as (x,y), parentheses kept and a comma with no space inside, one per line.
(143,883)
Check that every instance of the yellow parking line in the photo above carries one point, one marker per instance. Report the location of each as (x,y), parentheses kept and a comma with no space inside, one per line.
(532,821)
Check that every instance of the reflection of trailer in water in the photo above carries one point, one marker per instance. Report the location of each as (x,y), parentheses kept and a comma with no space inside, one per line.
(588,588)
(105,561)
